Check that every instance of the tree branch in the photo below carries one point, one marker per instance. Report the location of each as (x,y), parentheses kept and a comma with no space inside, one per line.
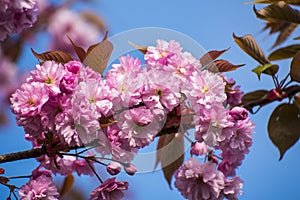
(22,155)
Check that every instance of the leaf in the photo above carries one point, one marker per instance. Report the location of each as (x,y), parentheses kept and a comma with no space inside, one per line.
(248,44)
(252,97)
(278,11)
(297,38)
(294,2)
(98,55)
(222,66)
(211,56)
(285,52)
(170,153)
(285,33)
(67,185)
(295,67)
(270,69)
(142,49)
(55,55)
(284,127)
(297,100)
(81,53)
(94,19)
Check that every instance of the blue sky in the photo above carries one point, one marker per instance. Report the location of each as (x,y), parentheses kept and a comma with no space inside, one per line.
(211,24)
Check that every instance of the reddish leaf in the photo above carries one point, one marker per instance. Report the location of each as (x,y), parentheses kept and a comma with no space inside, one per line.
(295,68)
(81,53)
(211,56)
(285,52)
(142,49)
(56,55)
(248,44)
(98,55)
(67,185)
(285,33)
(222,66)
(170,153)
(279,11)
(284,126)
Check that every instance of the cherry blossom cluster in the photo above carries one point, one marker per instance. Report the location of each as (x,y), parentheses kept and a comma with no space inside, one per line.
(16,15)
(63,107)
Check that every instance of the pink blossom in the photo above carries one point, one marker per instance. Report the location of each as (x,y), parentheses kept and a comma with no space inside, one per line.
(73,66)
(238,113)
(138,126)
(29,99)
(130,169)
(159,55)
(50,73)
(199,149)
(232,188)
(16,15)
(197,181)
(210,123)
(40,186)
(111,189)
(82,167)
(113,168)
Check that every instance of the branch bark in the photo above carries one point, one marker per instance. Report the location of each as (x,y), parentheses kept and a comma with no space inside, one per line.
(22,155)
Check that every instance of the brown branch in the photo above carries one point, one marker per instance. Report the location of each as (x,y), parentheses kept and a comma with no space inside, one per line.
(290,92)
(22,155)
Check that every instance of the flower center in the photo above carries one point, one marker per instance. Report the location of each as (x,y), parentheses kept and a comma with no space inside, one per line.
(204,88)
(31,102)
(158,92)
(163,54)
(49,81)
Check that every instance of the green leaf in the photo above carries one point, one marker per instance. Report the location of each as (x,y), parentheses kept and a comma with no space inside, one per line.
(211,56)
(98,55)
(248,44)
(285,52)
(284,127)
(55,55)
(270,69)
(295,67)
(142,49)
(67,185)
(278,11)
(170,153)
(222,66)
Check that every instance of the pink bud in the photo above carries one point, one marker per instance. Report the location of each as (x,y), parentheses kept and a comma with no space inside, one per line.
(73,66)
(199,149)
(239,113)
(130,169)
(113,168)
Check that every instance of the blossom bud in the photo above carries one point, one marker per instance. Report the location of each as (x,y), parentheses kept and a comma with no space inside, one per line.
(239,113)
(113,168)
(199,149)
(130,169)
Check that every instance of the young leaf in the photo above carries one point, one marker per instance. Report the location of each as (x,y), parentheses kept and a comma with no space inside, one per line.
(252,97)
(142,49)
(295,67)
(270,69)
(222,66)
(285,52)
(170,153)
(284,127)
(81,53)
(55,55)
(248,44)
(67,185)
(285,33)
(98,55)
(211,56)
(279,11)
